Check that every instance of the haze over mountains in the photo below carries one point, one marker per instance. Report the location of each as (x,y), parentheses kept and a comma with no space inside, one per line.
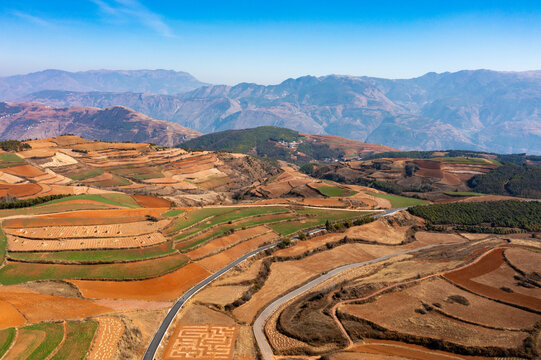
(144,81)
(479,110)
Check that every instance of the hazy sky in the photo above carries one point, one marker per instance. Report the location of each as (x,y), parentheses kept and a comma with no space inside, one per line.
(269,41)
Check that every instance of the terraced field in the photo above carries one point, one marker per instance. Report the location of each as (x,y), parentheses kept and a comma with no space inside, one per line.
(92,274)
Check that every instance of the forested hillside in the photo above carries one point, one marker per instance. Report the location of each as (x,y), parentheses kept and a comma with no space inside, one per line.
(472,216)
(510,179)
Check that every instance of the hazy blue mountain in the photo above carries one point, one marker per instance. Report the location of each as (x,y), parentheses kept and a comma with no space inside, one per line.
(141,81)
(478,110)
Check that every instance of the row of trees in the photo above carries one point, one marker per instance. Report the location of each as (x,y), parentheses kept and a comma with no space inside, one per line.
(11,202)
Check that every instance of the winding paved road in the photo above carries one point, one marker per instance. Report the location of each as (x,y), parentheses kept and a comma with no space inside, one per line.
(164,326)
(259,324)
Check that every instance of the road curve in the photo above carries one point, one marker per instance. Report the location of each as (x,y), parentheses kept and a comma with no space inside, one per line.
(160,333)
(264,316)
(164,326)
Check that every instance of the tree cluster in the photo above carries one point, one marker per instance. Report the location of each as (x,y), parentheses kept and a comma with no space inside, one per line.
(491,214)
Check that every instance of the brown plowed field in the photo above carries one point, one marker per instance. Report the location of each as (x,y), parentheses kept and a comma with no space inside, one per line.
(19,190)
(226,241)
(438,290)
(401,350)
(24,171)
(396,311)
(38,307)
(110,330)
(430,173)
(89,231)
(487,264)
(163,288)
(437,237)
(22,244)
(379,232)
(303,246)
(504,276)
(151,201)
(428,164)
(524,260)
(246,271)
(450,179)
(10,316)
(221,295)
(218,261)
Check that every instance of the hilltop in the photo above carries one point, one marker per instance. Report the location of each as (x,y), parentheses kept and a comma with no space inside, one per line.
(115,123)
(284,144)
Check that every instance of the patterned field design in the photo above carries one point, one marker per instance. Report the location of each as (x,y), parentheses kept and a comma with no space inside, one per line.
(203,342)
(109,332)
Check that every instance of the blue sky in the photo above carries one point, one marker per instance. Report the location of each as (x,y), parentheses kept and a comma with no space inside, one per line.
(269,41)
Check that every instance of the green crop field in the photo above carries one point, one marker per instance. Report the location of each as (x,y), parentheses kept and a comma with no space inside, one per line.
(10,158)
(399,201)
(6,338)
(15,273)
(316,217)
(86,174)
(112,199)
(94,255)
(224,229)
(52,208)
(3,245)
(54,334)
(138,173)
(172,213)
(195,216)
(233,214)
(78,339)
(467,160)
(463,193)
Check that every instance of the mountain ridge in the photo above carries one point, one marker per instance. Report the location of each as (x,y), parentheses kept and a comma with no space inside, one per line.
(471,109)
(115,123)
(158,81)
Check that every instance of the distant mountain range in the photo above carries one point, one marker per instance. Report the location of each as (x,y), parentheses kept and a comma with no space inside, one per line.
(141,81)
(116,123)
(478,110)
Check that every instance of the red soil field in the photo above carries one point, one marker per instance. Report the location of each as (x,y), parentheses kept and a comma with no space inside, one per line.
(404,350)
(19,190)
(489,263)
(428,164)
(163,288)
(9,316)
(42,221)
(38,307)
(111,213)
(151,201)
(24,171)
